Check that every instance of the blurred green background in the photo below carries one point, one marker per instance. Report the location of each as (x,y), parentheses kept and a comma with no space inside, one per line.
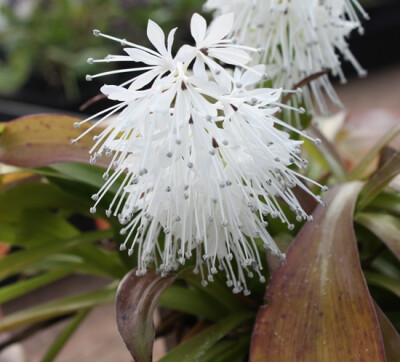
(44,44)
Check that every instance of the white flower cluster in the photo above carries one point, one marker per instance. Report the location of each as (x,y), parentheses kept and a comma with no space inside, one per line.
(299,38)
(202,159)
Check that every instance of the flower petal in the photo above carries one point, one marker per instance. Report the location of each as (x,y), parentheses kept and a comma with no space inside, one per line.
(185,54)
(198,27)
(156,37)
(139,55)
(219,28)
(199,69)
(253,75)
(230,55)
(171,39)
(117,93)
(144,79)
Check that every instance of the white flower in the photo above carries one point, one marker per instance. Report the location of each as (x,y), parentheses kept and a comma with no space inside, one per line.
(202,161)
(157,63)
(299,38)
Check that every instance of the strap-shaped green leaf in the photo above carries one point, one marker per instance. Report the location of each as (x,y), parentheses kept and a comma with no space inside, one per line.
(379,181)
(384,282)
(386,227)
(17,289)
(58,307)
(18,260)
(194,348)
(65,335)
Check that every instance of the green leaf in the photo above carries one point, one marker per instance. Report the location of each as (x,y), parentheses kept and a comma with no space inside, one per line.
(379,181)
(194,348)
(26,222)
(216,290)
(385,267)
(219,349)
(386,227)
(84,191)
(37,226)
(17,289)
(58,307)
(39,195)
(387,201)
(228,350)
(384,282)
(87,174)
(44,139)
(18,260)
(193,302)
(314,293)
(64,336)
(104,263)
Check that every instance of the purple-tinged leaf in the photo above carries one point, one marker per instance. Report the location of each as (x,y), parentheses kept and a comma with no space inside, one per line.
(44,139)
(319,305)
(391,337)
(363,135)
(136,301)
